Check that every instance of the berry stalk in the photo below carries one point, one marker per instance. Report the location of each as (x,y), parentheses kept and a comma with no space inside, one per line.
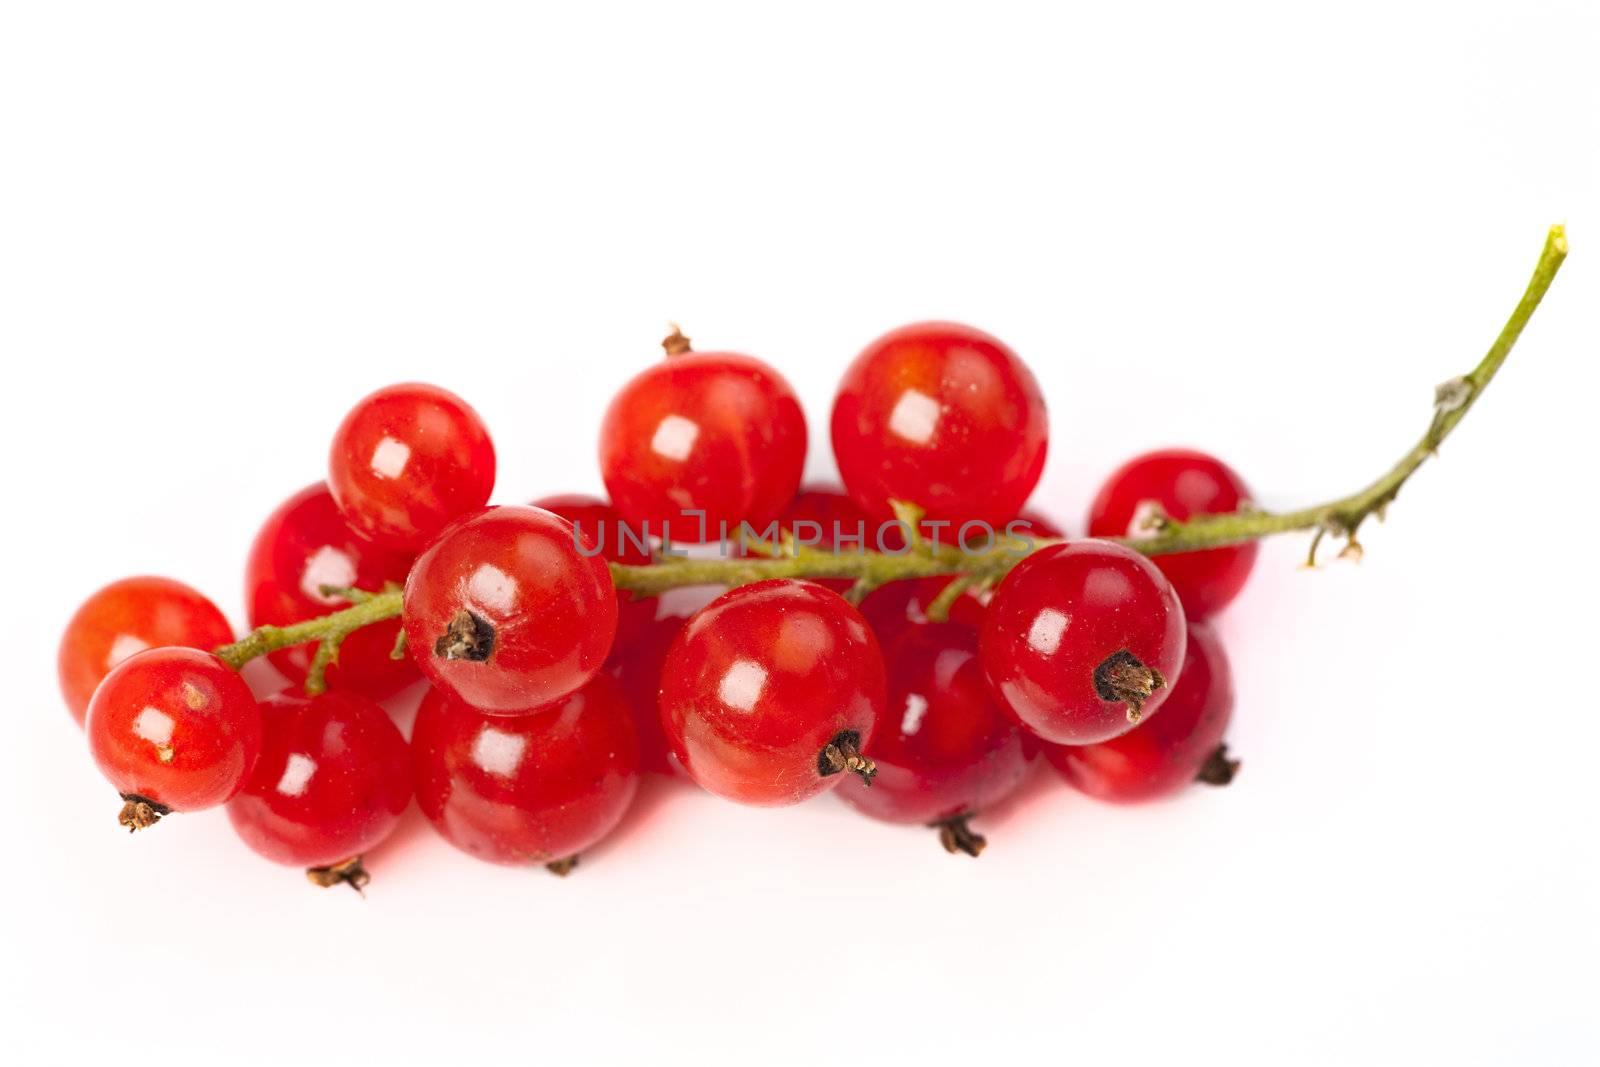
(1342,518)
(329,631)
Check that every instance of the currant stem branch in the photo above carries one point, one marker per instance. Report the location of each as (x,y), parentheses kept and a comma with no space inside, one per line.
(328,630)
(1342,517)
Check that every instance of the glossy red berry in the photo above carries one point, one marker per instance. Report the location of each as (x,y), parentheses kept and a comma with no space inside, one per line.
(1179,484)
(604,530)
(703,431)
(772,691)
(942,416)
(127,617)
(303,546)
(1173,749)
(537,788)
(173,729)
(408,460)
(944,750)
(602,526)
(333,778)
(504,612)
(1082,639)
(636,665)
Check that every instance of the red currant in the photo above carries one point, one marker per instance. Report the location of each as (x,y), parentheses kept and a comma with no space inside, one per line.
(1081,639)
(944,751)
(303,546)
(601,525)
(703,431)
(537,788)
(504,612)
(127,617)
(1179,484)
(173,729)
(636,665)
(333,779)
(604,528)
(942,416)
(406,461)
(771,691)
(1182,744)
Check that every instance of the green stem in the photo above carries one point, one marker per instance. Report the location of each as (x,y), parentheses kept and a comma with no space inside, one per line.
(1342,517)
(328,630)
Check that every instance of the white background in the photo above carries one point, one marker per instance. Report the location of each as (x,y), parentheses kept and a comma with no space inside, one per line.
(1263,229)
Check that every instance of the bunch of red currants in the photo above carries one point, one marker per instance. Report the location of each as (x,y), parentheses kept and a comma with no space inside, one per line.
(553,684)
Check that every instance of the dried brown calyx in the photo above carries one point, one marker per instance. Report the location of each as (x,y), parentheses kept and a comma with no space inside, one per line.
(469,636)
(958,837)
(1218,769)
(843,753)
(350,872)
(138,812)
(1122,678)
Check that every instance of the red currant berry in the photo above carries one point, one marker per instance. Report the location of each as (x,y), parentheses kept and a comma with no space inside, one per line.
(173,729)
(536,788)
(1179,484)
(942,416)
(1032,525)
(303,546)
(944,750)
(127,617)
(601,525)
(636,665)
(771,691)
(703,431)
(1081,639)
(333,779)
(823,517)
(406,461)
(504,612)
(1182,744)
(603,528)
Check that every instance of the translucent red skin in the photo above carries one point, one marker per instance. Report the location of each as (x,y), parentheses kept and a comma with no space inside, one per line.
(332,781)
(554,611)
(745,460)
(1184,483)
(305,544)
(530,788)
(187,704)
(644,629)
(636,666)
(448,466)
(601,524)
(805,669)
(1161,756)
(985,449)
(126,617)
(1112,599)
(943,747)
